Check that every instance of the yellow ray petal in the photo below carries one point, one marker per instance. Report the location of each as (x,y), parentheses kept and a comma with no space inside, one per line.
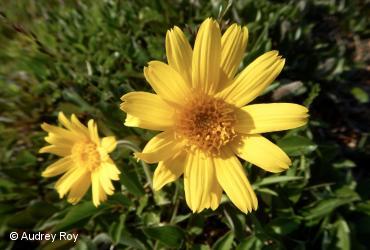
(262,118)
(261,152)
(105,181)
(253,79)
(168,171)
(57,150)
(57,131)
(233,180)
(207,57)
(95,188)
(160,148)
(109,143)
(70,125)
(93,131)
(233,44)
(58,140)
(58,167)
(111,170)
(79,188)
(179,53)
(216,193)
(64,184)
(82,129)
(146,110)
(63,119)
(102,194)
(166,82)
(198,179)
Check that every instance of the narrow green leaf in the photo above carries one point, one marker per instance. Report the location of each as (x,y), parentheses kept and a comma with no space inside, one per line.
(296,145)
(276,179)
(225,242)
(131,182)
(171,236)
(343,235)
(78,214)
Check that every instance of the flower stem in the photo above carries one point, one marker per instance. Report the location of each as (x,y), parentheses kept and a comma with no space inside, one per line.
(128,144)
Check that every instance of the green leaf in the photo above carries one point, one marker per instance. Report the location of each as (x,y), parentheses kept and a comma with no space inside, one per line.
(284,225)
(78,214)
(131,182)
(343,235)
(344,164)
(275,179)
(171,236)
(296,145)
(117,227)
(22,219)
(360,95)
(225,242)
(41,210)
(250,243)
(323,208)
(364,207)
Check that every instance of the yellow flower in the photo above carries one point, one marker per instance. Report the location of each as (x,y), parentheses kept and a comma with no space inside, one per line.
(85,159)
(201,106)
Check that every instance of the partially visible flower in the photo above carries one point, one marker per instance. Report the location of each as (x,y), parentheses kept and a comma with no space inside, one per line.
(201,105)
(85,159)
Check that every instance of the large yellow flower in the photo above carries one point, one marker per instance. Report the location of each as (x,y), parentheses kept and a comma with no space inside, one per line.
(85,159)
(200,106)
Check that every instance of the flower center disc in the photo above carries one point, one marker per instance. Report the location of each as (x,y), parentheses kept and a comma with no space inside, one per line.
(207,123)
(86,154)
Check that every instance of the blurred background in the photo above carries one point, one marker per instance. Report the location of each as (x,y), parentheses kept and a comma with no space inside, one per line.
(82,56)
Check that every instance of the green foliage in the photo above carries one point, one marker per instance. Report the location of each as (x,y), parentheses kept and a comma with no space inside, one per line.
(82,56)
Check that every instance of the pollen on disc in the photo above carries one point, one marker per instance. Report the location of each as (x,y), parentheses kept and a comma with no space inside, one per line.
(206,123)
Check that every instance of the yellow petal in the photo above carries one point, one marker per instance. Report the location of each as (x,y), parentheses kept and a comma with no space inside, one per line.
(262,118)
(70,125)
(198,180)
(166,82)
(179,53)
(65,122)
(93,131)
(102,194)
(146,110)
(109,143)
(261,152)
(111,170)
(253,79)
(58,167)
(216,193)
(82,129)
(168,171)
(105,181)
(79,188)
(160,148)
(233,44)
(233,180)
(58,140)
(64,184)
(59,131)
(57,150)
(96,189)
(207,57)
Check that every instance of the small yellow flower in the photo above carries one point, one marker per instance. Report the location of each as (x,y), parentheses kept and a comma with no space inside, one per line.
(201,106)
(85,159)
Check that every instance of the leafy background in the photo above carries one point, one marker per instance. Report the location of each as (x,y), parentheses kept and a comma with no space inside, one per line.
(82,56)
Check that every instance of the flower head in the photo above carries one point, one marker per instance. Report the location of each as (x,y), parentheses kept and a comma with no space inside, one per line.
(201,107)
(85,159)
